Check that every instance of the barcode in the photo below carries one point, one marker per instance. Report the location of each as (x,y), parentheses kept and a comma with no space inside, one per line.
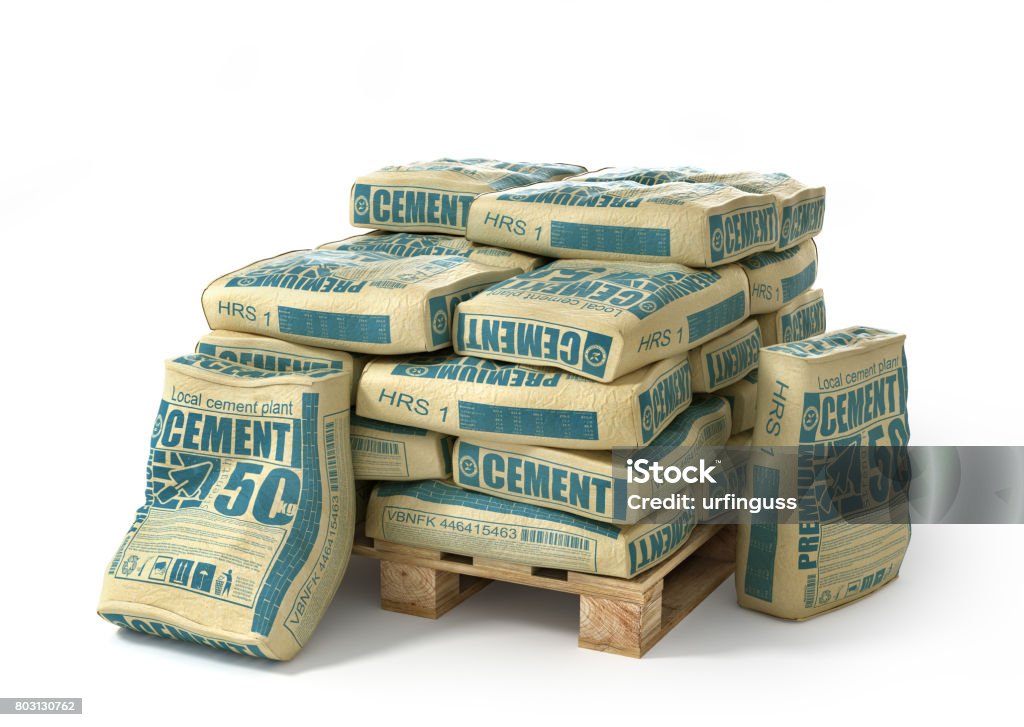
(552,537)
(810,590)
(375,446)
(331,443)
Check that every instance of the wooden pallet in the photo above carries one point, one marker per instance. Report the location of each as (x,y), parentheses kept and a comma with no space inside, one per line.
(617,615)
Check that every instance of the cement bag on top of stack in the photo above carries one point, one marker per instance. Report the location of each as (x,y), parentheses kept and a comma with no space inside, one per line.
(248,521)
(702,225)
(776,278)
(845,389)
(601,320)
(801,318)
(742,398)
(801,207)
(726,359)
(405,244)
(386,451)
(435,196)
(585,483)
(438,515)
(271,354)
(354,301)
(502,402)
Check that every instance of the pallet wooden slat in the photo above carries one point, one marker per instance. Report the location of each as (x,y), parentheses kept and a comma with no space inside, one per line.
(617,615)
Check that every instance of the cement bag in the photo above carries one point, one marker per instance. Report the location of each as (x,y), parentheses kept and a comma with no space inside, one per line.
(435,196)
(404,244)
(355,301)
(801,318)
(725,359)
(600,320)
(742,398)
(702,225)
(499,402)
(846,389)
(386,451)
(270,354)
(741,440)
(801,207)
(437,515)
(647,176)
(586,483)
(777,278)
(249,516)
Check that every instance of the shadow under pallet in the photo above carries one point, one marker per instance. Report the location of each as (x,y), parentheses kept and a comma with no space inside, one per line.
(617,615)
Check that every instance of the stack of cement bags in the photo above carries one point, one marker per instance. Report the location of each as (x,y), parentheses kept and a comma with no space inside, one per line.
(491,385)
(643,335)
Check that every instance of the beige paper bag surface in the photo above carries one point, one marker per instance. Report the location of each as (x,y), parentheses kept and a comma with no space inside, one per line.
(600,320)
(743,439)
(272,354)
(801,207)
(352,301)
(802,317)
(406,244)
(585,482)
(500,402)
(380,450)
(438,515)
(725,359)
(248,521)
(742,398)
(702,225)
(777,278)
(843,388)
(386,451)
(435,196)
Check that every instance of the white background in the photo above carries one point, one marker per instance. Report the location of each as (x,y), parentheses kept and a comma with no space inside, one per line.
(146,149)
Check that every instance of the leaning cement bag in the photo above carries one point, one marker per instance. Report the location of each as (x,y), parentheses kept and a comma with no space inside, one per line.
(248,522)
(587,483)
(501,402)
(842,395)
(435,196)
(725,359)
(801,318)
(742,398)
(702,225)
(404,244)
(353,301)
(386,451)
(600,320)
(437,515)
(271,354)
(777,278)
(801,207)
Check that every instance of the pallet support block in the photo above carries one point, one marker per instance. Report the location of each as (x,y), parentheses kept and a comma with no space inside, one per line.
(619,626)
(425,592)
